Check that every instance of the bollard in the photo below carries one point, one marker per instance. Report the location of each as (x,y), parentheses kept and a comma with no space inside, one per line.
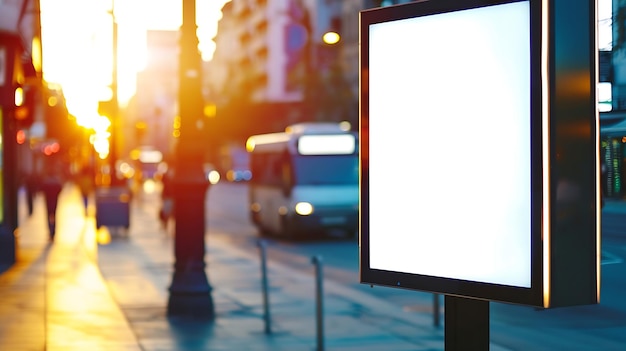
(317,261)
(264,286)
(436,313)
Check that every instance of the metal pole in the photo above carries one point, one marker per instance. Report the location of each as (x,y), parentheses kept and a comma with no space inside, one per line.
(319,299)
(113,146)
(190,291)
(266,305)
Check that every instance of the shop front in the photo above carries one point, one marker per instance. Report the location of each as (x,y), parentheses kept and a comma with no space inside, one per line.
(11,76)
(613,154)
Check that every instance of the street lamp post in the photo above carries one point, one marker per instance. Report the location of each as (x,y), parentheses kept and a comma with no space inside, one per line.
(110,109)
(115,181)
(190,292)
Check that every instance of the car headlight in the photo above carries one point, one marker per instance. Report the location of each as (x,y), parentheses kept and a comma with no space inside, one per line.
(304,208)
(213,177)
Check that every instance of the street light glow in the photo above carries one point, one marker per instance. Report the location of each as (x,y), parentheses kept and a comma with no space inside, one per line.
(331,38)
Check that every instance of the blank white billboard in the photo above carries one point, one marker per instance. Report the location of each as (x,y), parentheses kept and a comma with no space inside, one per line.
(450,145)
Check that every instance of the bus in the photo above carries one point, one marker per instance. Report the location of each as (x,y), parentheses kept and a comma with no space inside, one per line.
(305,181)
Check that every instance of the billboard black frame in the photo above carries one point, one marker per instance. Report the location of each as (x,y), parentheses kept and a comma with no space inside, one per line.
(546,30)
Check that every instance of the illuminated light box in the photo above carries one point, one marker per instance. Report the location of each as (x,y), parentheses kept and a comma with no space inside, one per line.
(492,119)
(333,144)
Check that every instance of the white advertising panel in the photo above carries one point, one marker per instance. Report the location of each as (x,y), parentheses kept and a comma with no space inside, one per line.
(471,129)
(460,90)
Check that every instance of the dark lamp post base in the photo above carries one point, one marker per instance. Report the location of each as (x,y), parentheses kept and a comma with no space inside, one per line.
(190,291)
(190,296)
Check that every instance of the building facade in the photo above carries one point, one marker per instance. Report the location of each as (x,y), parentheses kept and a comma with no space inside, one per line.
(613,122)
(271,56)
(156,103)
(20,66)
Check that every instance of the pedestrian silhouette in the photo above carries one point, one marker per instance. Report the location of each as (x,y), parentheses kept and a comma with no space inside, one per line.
(166,211)
(51,186)
(31,185)
(85,181)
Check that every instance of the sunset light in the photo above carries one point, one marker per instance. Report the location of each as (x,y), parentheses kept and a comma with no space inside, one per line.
(77,41)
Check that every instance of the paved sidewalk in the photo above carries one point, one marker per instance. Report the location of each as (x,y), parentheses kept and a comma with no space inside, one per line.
(138,270)
(54,297)
(75,294)
(22,288)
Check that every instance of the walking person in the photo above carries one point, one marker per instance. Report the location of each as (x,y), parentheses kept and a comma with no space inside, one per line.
(51,185)
(85,181)
(167,198)
(31,184)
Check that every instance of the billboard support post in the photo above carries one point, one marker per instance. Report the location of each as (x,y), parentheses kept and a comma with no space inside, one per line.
(466,324)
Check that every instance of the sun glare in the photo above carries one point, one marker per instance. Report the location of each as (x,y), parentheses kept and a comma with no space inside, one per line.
(77,49)
(75,58)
